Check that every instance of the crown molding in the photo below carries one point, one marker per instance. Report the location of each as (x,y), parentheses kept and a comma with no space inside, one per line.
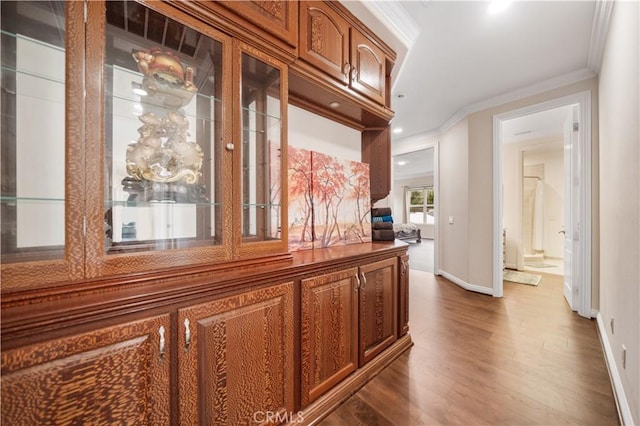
(599,31)
(515,95)
(393,16)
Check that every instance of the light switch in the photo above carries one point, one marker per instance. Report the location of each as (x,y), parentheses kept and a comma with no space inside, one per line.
(450,220)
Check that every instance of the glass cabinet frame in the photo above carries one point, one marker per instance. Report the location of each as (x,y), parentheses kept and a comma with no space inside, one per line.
(87,201)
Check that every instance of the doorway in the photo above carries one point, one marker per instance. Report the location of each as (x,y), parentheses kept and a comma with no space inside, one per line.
(415,205)
(521,241)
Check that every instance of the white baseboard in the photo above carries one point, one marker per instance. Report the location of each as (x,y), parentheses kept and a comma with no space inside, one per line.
(624,411)
(466,285)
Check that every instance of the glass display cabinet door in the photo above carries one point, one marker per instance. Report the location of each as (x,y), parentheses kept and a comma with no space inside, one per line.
(41,143)
(163,126)
(263,99)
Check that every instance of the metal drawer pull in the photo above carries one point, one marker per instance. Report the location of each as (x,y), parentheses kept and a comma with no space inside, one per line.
(162,341)
(187,334)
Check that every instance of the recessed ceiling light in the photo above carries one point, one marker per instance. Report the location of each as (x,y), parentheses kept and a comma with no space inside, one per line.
(397,130)
(497,6)
(334,104)
(401,163)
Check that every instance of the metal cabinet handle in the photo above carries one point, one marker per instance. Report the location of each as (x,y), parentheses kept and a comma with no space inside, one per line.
(187,334)
(364,279)
(162,341)
(346,69)
(354,74)
(358,280)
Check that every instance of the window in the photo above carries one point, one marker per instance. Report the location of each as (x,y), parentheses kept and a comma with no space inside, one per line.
(420,204)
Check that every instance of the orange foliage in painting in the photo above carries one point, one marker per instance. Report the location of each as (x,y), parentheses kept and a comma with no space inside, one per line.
(360,193)
(329,183)
(300,171)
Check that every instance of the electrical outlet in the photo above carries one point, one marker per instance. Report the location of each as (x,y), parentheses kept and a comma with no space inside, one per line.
(624,356)
(612,325)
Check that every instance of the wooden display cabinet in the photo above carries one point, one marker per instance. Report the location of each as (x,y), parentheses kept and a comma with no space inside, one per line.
(144,222)
(175,157)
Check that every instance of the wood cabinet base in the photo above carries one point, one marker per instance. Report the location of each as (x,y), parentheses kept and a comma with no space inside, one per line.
(324,405)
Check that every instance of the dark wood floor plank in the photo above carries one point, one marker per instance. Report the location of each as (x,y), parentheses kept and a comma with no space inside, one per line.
(524,359)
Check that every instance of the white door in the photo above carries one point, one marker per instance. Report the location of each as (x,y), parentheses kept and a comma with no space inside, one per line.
(571,207)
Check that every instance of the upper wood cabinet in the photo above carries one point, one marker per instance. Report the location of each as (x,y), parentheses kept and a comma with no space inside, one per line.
(166,142)
(113,375)
(278,17)
(332,44)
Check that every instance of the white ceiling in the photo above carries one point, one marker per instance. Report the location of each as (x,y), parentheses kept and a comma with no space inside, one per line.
(454,55)
(413,164)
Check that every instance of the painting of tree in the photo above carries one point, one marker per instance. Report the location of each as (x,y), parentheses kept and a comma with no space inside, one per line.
(301,223)
(359,195)
(329,183)
(329,200)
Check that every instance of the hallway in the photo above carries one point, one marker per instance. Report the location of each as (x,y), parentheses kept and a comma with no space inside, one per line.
(522,359)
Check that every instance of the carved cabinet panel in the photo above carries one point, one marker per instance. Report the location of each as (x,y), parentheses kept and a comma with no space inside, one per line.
(279,17)
(403,303)
(368,63)
(235,358)
(115,375)
(324,39)
(378,308)
(329,331)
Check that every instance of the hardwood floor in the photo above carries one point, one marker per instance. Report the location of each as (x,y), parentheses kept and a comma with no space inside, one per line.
(524,359)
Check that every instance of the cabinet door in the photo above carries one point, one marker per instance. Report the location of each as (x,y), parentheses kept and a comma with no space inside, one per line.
(41,143)
(324,39)
(116,375)
(369,70)
(235,358)
(329,331)
(278,17)
(260,153)
(378,308)
(157,121)
(403,317)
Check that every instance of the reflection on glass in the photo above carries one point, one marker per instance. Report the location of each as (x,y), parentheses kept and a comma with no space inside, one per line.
(163,114)
(261,147)
(33,156)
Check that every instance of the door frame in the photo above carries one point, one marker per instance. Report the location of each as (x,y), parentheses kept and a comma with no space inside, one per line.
(582,290)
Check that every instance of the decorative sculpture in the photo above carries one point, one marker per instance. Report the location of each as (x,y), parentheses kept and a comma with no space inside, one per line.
(163,165)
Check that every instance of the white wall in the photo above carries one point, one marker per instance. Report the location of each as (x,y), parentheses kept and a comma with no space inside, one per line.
(316,133)
(453,239)
(619,106)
